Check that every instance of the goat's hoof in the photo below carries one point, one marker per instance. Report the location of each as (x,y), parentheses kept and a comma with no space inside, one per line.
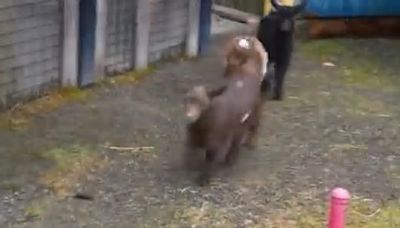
(203,180)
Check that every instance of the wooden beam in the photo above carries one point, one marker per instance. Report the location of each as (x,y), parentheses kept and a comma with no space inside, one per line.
(69,76)
(192,36)
(142,33)
(235,15)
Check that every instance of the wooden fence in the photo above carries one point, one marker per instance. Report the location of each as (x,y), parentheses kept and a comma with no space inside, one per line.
(258,7)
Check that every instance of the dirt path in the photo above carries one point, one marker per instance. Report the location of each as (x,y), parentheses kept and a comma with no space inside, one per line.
(337,126)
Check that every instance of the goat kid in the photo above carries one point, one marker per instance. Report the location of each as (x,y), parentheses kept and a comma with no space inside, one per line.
(275,31)
(222,120)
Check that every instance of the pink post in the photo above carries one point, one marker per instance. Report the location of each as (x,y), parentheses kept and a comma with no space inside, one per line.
(339,200)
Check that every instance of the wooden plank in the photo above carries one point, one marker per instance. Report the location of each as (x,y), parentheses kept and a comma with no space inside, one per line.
(235,15)
(70,43)
(142,33)
(192,37)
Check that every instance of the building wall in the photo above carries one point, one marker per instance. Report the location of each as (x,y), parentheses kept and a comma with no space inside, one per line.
(30,48)
(168,28)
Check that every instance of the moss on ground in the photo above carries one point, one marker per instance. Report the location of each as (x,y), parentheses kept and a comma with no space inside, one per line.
(19,117)
(129,77)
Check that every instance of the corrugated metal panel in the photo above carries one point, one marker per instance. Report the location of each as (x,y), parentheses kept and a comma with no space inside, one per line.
(353,8)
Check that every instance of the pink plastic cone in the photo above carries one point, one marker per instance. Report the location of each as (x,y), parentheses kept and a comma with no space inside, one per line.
(338,205)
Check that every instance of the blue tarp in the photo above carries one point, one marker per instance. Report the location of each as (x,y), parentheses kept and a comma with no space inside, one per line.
(353,8)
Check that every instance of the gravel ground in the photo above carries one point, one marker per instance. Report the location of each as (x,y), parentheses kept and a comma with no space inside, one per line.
(337,126)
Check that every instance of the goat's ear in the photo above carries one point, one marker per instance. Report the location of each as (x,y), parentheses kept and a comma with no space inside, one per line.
(254,24)
(226,45)
(276,5)
(223,49)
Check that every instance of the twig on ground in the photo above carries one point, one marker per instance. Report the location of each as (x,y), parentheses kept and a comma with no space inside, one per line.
(348,147)
(83,196)
(132,149)
(383,115)
(370,215)
(15,107)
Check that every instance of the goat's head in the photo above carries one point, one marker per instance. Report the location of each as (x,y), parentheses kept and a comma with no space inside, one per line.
(286,13)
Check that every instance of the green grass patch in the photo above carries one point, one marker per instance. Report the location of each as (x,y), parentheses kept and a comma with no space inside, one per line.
(69,165)
(205,216)
(361,214)
(323,49)
(35,210)
(10,186)
(357,67)
(367,73)
(367,214)
(346,100)
(359,105)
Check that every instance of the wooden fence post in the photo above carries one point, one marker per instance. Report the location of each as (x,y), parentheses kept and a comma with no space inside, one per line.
(142,33)
(69,76)
(192,36)
(205,26)
(100,39)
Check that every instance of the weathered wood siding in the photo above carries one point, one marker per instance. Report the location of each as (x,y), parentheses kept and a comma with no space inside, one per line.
(40,41)
(30,50)
(250,6)
(168,28)
(120,38)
